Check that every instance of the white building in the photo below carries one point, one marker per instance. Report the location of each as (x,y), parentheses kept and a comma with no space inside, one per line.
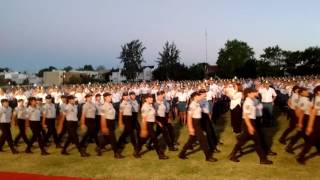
(145,75)
(16,77)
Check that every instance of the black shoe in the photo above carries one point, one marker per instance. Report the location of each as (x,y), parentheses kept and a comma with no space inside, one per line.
(84,154)
(282,141)
(182,156)
(216,150)
(136,154)
(289,150)
(64,152)
(173,149)
(150,147)
(265,161)
(234,159)
(118,156)
(163,157)
(301,160)
(211,159)
(58,146)
(28,151)
(45,153)
(271,153)
(14,151)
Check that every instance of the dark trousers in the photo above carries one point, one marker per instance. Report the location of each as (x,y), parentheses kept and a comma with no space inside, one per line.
(300,134)
(35,127)
(207,126)
(136,125)
(164,130)
(111,137)
(72,127)
(22,132)
(63,132)
(256,137)
(292,124)
(97,119)
(199,136)
(153,137)
(6,135)
(51,125)
(236,119)
(268,118)
(91,132)
(128,130)
(263,141)
(313,139)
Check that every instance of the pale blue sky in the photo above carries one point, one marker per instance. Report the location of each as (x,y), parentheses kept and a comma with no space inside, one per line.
(38,33)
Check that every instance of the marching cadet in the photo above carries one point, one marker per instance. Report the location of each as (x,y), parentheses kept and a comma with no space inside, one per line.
(5,125)
(49,115)
(182,104)
(250,131)
(268,96)
(19,118)
(88,120)
(148,115)
(108,124)
(125,119)
(303,113)
(135,110)
(34,119)
(195,129)
(70,115)
(292,104)
(161,107)
(98,103)
(313,128)
(61,132)
(206,122)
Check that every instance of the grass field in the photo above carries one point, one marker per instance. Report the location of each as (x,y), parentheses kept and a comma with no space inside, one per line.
(149,167)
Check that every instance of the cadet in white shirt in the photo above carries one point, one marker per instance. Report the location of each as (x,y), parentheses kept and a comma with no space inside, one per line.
(5,126)
(235,107)
(34,115)
(108,124)
(182,105)
(303,113)
(148,115)
(162,107)
(249,114)
(195,129)
(268,95)
(49,115)
(88,116)
(19,117)
(292,104)
(135,111)
(313,128)
(125,119)
(70,115)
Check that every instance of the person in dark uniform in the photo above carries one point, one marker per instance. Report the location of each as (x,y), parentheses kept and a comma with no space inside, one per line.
(108,124)
(88,116)
(148,115)
(207,124)
(292,106)
(125,119)
(5,125)
(70,115)
(19,117)
(250,131)
(61,132)
(135,111)
(162,107)
(49,116)
(34,115)
(312,129)
(303,112)
(195,129)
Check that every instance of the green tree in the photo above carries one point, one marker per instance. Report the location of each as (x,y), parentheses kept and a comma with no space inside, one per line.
(197,71)
(132,58)
(274,55)
(68,68)
(168,61)
(86,67)
(233,57)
